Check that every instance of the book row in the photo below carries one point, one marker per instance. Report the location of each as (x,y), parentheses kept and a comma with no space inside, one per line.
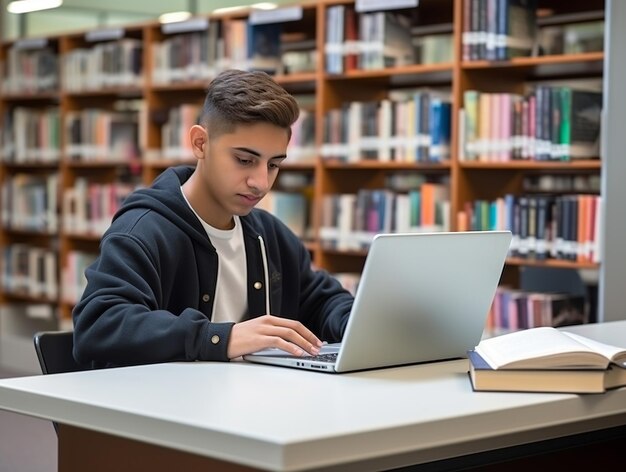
(543,226)
(350,221)
(408,127)
(194,55)
(29,202)
(102,135)
(30,134)
(549,123)
(104,65)
(30,271)
(88,207)
(584,183)
(515,309)
(498,30)
(73,280)
(31,70)
(371,40)
(33,135)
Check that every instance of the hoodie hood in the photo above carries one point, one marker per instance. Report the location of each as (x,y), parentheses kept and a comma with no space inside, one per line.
(165,198)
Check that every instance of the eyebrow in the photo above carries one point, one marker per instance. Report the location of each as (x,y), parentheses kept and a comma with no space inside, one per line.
(257,154)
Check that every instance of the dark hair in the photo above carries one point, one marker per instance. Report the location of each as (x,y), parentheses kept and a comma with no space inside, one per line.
(239,97)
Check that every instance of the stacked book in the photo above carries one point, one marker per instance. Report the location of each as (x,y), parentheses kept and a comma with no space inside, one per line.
(546,359)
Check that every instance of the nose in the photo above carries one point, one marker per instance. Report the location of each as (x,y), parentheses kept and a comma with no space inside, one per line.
(259,180)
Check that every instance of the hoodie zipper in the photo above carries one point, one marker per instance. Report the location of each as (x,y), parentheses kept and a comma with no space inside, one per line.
(265,275)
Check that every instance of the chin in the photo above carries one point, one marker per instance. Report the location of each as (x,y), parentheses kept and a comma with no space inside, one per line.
(243,211)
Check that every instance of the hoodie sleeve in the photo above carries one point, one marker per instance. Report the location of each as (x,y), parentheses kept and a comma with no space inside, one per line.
(118,320)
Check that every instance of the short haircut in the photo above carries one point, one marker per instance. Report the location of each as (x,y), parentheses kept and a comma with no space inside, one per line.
(237,97)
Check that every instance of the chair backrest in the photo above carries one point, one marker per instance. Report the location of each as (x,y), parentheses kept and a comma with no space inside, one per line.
(54,351)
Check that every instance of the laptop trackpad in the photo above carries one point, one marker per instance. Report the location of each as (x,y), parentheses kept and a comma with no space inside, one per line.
(325,349)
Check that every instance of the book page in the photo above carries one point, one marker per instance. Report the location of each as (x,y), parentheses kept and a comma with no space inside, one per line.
(615,353)
(539,348)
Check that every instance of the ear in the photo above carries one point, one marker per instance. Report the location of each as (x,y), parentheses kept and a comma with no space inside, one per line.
(199,139)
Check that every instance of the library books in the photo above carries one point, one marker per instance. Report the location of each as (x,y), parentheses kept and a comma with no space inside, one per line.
(565,227)
(572,38)
(550,123)
(31,67)
(498,29)
(105,65)
(514,309)
(410,126)
(546,360)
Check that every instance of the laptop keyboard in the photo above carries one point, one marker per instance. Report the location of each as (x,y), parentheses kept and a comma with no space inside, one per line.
(332,357)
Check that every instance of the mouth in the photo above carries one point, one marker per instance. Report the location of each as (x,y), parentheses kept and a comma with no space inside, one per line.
(250,199)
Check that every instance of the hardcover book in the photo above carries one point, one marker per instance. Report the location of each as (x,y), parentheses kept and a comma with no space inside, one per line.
(484,378)
(546,360)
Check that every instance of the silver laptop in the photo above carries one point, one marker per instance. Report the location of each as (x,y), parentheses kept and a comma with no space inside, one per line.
(422,297)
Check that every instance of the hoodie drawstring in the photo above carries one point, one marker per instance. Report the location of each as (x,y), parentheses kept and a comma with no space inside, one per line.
(266,275)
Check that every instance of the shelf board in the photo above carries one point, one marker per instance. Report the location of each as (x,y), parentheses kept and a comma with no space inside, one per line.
(302,77)
(287,166)
(185,85)
(377,165)
(399,76)
(589,64)
(101,164)
(130,92)
(555,263)
(87,237)
(585,164)
(340,252)
(537,61)
(393,71)
(511,261)
(27,298)
(165,163)
(31,166)
(31,97)
(29,233)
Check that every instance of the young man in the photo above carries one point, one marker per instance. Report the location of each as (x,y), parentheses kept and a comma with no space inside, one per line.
(189,270)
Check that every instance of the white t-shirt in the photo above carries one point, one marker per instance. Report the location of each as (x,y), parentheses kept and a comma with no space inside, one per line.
(231,296)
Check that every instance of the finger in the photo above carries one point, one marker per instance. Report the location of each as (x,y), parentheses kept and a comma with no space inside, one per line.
(289,347)
(299,328)
(293,337)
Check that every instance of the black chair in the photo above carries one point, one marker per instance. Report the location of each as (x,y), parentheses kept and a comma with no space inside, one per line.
(54,351)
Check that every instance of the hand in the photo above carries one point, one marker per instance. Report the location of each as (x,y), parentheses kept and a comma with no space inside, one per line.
(272,331)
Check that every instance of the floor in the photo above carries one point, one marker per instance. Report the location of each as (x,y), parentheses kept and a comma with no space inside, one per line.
(26,444)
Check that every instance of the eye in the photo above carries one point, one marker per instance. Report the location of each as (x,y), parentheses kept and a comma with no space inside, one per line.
(243,161)
(275,163)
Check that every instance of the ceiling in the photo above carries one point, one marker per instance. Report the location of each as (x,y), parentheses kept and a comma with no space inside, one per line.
(147,7)
(83,14)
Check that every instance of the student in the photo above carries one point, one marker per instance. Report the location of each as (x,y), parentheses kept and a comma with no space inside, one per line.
(189,270)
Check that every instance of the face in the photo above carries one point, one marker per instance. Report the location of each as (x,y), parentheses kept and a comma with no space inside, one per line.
(235,170)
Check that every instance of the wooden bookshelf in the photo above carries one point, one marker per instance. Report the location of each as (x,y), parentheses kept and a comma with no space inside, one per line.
(467,180)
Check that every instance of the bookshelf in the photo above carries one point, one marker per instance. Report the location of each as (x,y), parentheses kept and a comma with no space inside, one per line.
(147,95)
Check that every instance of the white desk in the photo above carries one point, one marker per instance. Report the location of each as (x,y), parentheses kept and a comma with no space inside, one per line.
(282,419)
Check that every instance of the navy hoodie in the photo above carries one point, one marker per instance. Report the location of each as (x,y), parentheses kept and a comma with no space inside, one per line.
(150,293)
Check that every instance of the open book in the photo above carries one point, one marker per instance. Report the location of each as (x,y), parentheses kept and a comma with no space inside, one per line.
(548,348)
(546,360)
